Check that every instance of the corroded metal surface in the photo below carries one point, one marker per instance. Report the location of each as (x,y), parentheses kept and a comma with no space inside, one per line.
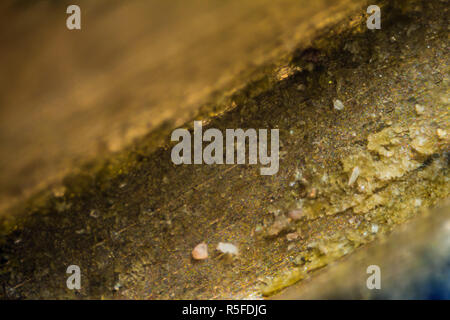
(71,96)
(131,221)
(413,260)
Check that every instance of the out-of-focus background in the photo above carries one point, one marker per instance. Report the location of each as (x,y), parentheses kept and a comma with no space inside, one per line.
(69,96)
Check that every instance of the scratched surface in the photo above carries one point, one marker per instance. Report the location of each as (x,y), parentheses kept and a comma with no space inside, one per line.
(131,220)
(71,96)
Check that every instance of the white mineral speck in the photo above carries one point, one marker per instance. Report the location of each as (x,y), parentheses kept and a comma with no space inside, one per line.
(419,109)
(353,176)
(227,248)
(338,105)
(417,202)
(374,228)
(441,133)
(298,174)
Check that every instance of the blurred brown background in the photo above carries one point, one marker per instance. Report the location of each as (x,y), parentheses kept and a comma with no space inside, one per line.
(67,96)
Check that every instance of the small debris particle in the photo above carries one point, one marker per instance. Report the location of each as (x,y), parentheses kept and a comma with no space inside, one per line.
(59,192)
(227,248)
(94,213)
(419,109)
(117,286)
(281,223)
(200,251)
(274,210)
(441,133)
(374,228)
(353,176)
(258,228)
(301,87)
(352,220)
(417,202)
(338,105)
(285,72)
(292,236)
(296,214)
(313,193)
(299,260)
(298,175)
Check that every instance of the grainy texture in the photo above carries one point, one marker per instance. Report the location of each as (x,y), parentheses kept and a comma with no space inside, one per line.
(72,96)
(131,221)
